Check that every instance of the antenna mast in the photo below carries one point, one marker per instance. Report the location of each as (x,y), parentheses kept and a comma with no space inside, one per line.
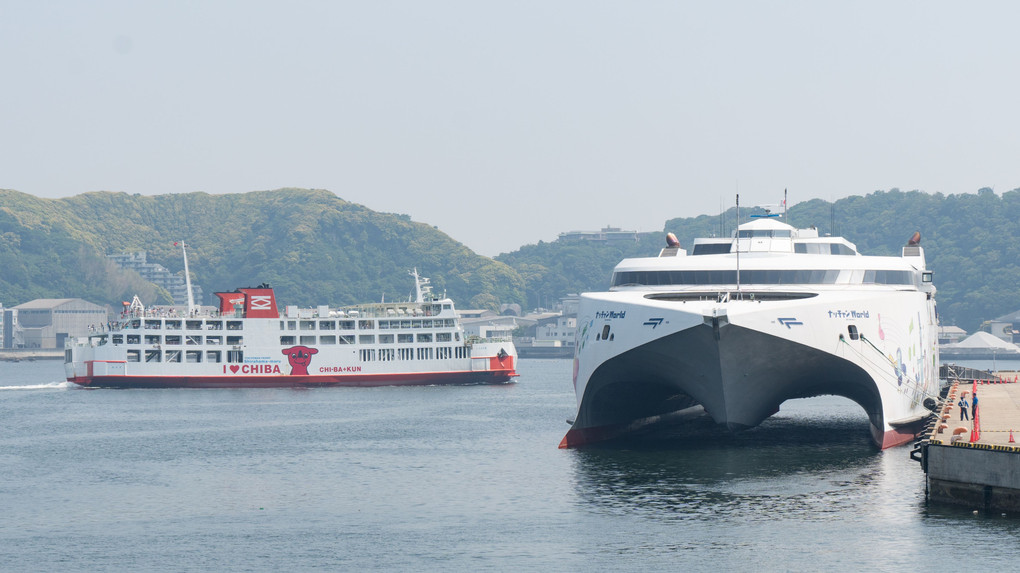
(187,281)
(738,245)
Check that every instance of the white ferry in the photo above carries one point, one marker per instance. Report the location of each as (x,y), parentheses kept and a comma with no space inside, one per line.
(248,343)
(744,323)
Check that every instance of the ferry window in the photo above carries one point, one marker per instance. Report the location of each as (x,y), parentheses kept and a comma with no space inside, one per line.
(327,340)
(173,339)
(405,324)
(711,249)
(193,324)
(327,325)
(385,339)
(346,325)
(384,325)
(426,324)
(291,325)
(193,356)
(214,325)
(134,355)
(136,323)
(287,340)
(234,325)
(366,339)
(133,339)
(386,354)
(605,332)
(456,336)
(212,356)
(235,340)
(366,324)
(235,356)
(192,340)
(425,337)
(173,324)
(214,340)
(119,338)
(153,339)
(367,354)
(153,324)
(443,337)
(307,339)
(852,330)
(405,338)
(307,325)
(153,356)
(415,324)
(925,278)
(447,307)
(347,339)
(173,355)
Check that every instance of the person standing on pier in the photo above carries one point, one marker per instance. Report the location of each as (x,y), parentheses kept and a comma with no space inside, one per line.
(963,407)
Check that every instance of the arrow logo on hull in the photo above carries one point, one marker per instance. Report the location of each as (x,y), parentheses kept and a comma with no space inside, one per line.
(790,322)
(653,322)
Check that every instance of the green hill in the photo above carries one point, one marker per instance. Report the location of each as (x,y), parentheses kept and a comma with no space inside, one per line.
(310,245)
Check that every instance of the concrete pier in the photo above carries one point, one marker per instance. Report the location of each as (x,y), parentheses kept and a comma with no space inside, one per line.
(976,462)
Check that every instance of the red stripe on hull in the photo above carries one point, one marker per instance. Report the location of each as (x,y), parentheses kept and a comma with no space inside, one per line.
(898,436)
(362,380)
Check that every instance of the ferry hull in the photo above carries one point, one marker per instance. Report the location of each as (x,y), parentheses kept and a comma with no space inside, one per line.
(368,380)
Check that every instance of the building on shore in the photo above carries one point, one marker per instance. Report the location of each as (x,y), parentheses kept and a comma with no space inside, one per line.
(607,234)
(48,322)
(158,275)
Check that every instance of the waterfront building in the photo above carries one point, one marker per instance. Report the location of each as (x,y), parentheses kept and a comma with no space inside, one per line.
(47,322)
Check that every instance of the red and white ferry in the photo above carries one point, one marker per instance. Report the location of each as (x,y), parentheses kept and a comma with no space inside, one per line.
(248,343)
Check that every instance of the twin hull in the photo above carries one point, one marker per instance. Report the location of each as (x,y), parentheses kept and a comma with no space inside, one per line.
(643,359)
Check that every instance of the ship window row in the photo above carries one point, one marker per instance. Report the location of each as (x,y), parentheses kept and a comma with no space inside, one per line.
(769,276)
(171,324)
(366,324)
(409,354)
(189,356)
(823,249)
(172,339)
(403,338)
(765,234)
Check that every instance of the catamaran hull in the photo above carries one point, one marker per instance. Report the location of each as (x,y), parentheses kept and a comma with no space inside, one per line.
(740,374)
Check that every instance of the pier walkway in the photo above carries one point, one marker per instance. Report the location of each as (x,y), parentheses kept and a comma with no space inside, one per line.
(976,462)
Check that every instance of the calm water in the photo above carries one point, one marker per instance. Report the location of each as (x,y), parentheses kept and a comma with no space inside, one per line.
(457,478)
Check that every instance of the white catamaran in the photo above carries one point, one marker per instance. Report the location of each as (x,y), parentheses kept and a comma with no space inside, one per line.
(683,335)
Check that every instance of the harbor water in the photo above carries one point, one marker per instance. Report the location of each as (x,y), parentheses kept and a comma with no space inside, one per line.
(454,478)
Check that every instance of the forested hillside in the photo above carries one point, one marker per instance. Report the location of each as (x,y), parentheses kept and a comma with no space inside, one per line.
(971,241)
(310,245)
(314,247)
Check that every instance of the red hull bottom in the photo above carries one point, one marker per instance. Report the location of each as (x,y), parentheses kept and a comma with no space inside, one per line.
(410,379)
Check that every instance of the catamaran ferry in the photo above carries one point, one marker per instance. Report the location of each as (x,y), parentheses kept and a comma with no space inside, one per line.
(743,324)
(248,343)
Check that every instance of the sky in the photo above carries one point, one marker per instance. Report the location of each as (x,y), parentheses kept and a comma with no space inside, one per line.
(507,123)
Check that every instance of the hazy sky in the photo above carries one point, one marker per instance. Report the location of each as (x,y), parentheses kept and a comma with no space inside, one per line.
(506,123)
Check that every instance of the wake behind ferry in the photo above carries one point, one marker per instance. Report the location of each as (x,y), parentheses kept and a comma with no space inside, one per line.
(743,324)
(248,343)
